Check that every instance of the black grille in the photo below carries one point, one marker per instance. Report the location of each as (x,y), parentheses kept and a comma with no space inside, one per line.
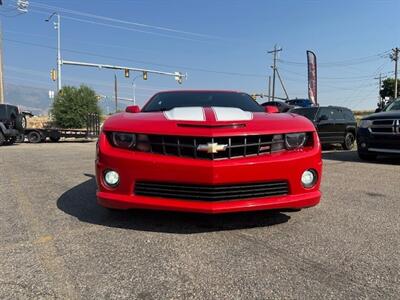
(211,192)
(239,146)
(385,127)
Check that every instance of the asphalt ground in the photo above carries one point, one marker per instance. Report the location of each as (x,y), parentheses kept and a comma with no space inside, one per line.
(55,242)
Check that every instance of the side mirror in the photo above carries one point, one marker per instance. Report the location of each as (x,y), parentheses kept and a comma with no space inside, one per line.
(323,118)
(378,110)
(271,109)
(132,109)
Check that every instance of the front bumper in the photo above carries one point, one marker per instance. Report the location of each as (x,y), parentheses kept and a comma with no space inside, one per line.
(376,143)
(138,166)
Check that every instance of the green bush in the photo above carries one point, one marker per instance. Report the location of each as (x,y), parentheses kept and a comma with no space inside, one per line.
(72,105)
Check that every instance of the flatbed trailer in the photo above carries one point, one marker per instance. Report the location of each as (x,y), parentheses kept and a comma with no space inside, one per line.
(39,135)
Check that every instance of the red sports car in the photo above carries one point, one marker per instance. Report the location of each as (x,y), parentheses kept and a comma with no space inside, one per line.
(207,152)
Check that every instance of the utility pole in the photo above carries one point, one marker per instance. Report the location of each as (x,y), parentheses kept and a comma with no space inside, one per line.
(57,26)
(379,90)
(1,66)
(283,86)
(395,57)
(116,93)
(274,52)
(269,88)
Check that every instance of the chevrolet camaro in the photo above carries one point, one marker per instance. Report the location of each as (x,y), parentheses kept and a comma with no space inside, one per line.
(207,152)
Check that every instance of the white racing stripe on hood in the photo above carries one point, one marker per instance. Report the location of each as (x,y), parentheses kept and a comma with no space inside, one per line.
(231,114)
(193,113)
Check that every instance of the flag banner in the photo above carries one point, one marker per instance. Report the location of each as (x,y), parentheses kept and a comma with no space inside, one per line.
(312,77)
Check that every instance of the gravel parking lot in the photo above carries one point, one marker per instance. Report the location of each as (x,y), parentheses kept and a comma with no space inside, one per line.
(57,243)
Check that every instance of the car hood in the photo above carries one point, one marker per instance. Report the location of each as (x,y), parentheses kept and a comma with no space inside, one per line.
(384,115)
(207,122)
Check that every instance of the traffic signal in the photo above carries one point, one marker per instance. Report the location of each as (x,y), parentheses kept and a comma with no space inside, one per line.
(179,77)
(127,73)
(53,74)
(144,75)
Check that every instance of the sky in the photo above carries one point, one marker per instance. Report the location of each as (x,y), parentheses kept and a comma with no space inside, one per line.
(220,44)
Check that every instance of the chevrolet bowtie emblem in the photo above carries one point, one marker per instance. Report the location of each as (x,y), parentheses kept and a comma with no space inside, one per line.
(211,147)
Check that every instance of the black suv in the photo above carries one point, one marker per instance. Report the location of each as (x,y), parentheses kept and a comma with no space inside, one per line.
(12,124)
(335,125)
(379,133)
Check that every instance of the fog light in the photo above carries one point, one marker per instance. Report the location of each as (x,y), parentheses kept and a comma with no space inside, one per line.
(363,145)
(111,178)
(309,178)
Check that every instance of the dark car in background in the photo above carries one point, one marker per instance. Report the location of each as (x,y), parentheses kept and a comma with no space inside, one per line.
(335,125)
(299,102)
(379,133)
(280,105)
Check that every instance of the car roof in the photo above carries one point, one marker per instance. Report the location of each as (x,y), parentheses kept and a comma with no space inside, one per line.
(200,91)
(325,106)
(8,105)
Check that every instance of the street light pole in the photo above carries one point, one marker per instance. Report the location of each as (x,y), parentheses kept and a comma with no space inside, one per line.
(57,26)
(59,52)
(134,89)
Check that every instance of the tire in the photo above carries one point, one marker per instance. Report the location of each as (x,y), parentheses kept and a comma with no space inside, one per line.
(54,139)
(349,140)
(11,140)
(367,156)
(20,122)
(20,138)
(34,137)
(2,139)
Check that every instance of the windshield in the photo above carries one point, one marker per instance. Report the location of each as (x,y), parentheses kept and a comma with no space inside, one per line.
(299,102)
(170,100)
(309,113)
(395,105)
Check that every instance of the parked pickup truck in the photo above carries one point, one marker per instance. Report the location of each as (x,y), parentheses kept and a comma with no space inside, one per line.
(379,133)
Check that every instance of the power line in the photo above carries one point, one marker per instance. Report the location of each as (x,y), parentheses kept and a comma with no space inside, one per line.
(349,78)
(110,19)
(346,62)
(143,62)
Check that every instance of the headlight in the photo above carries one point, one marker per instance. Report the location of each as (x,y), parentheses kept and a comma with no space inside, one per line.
(295,140)
(365,123)
(123,140)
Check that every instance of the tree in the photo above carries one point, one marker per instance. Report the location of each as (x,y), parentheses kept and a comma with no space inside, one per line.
(72,105)
(388,88)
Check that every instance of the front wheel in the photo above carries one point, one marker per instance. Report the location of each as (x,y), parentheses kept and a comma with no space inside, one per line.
(348,141)
(11,140)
